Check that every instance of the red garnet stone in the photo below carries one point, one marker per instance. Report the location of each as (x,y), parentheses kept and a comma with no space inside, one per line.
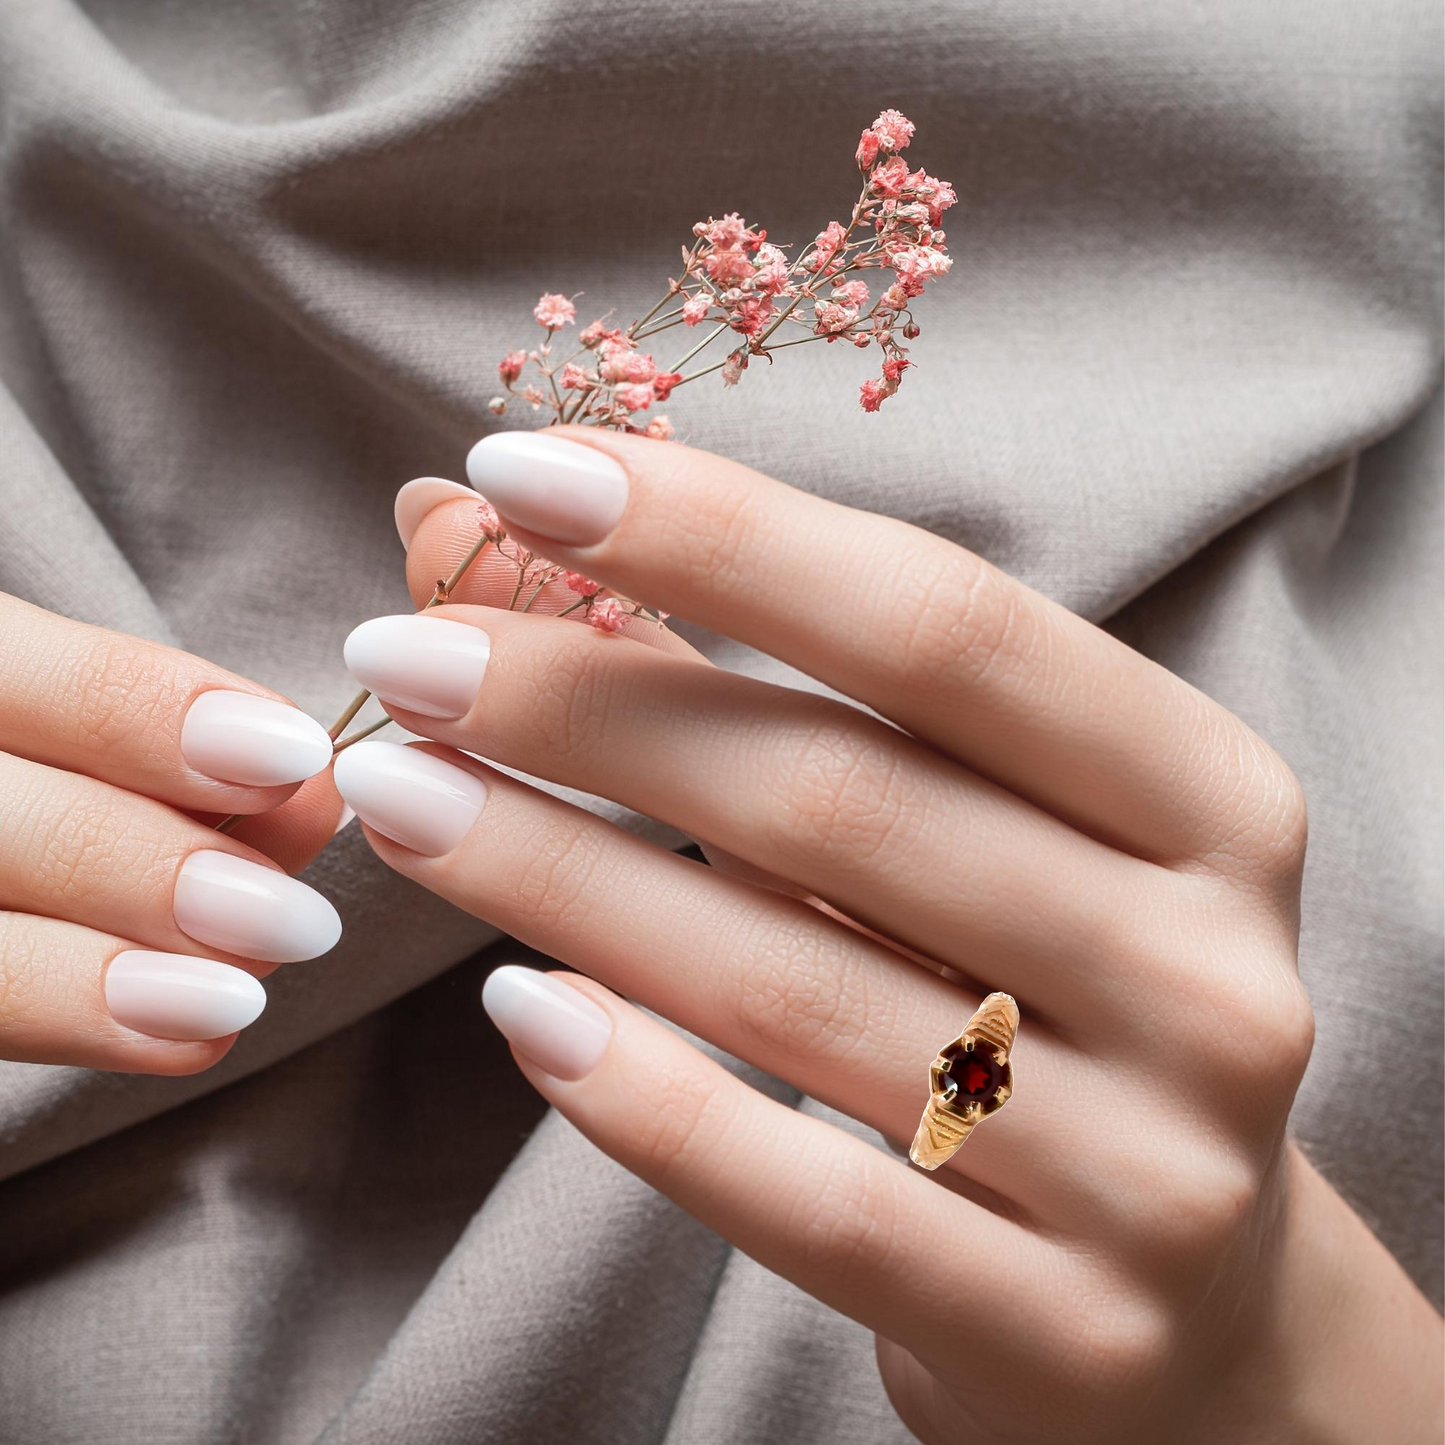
(976,1075)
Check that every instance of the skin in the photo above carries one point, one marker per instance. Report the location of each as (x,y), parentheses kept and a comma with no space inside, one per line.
(98,812)
(1052,815)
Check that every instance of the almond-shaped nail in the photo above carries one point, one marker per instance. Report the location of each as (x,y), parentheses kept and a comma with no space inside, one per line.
(422,802)
(559,489)
(555,1025)
(237,737)
(430,665)
(247,908)
(175,996)
(418,497)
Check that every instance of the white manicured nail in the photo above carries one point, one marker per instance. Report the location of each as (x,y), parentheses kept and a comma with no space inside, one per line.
(555,1025)
(572,493)
(237,737)
(418,497)
(415,799)
(258,912)
(430,665)
(175,996)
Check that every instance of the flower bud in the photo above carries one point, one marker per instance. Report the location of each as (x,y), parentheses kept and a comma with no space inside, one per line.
(911,330)
(497,405)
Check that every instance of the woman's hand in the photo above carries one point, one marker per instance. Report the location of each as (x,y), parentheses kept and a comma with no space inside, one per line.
(1131,1250)
(132,935)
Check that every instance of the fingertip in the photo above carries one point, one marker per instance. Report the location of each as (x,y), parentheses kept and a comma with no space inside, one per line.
(420,496)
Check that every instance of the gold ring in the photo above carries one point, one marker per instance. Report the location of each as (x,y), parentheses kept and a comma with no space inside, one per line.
(970,1079)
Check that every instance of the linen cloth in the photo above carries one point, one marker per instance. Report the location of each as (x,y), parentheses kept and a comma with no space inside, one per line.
(257,263)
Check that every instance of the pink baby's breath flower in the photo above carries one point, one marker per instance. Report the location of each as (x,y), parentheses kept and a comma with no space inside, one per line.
(891,178)
(534,395)
(582,586)
(894,367)
(830,238)
(695,308)
(576,378)
(831,317)
(554,312)
(488,519)
(663,383)
(894,130)
(509,368)
(867,151)
(871,394)
(728,232)
(622,365)
(751,314)
(733,368)
(660,429)
(852,293)
(595,333)
(895,298)
(634,395)
(918,263)
(771,277)
(728,267)
(607,615)
(937,195)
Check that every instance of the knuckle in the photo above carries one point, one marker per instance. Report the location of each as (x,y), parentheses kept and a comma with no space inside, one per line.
(1203,1210)
(35,984)
(555,863)
(715,541)
(686,1113)
(1266,817)
(1126,1350)
(840,797)
(961,619)
(559,698)
(798,992)
(120,694)
(847,1227)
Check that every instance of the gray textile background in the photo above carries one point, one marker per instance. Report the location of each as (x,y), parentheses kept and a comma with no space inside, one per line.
(257,263)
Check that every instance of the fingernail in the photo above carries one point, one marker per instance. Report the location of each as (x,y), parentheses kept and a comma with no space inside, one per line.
(348,815)
(555,1025)
(246,908)
(415,799)
(556,488)
(237,737)
(417,498)
(429,664)
(175,996)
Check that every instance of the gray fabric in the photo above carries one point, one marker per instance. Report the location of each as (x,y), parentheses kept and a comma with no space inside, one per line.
(257,263)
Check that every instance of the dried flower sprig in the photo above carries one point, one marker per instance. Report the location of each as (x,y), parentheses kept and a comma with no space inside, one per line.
(740,286)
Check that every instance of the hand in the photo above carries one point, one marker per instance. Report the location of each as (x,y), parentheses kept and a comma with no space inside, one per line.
(133,935)
(1130,1249)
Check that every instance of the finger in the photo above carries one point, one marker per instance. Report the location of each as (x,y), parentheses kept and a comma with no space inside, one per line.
(72,995)
(921,630)
(843,1221)
(294,833)
(878,824)
(763,975)
(445,532)
(80,850)
(146,717)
